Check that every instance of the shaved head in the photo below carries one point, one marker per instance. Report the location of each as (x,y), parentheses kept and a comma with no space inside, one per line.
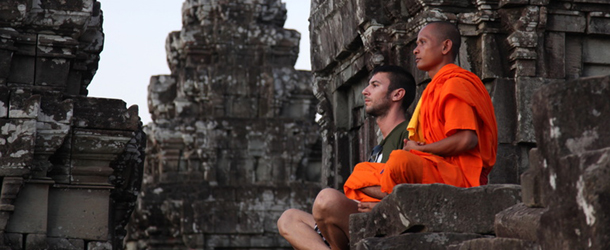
(444,30)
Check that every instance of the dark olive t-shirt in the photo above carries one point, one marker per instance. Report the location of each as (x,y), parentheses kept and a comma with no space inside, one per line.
(393,141)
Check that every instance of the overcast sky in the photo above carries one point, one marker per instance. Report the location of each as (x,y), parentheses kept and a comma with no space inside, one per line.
(134,46)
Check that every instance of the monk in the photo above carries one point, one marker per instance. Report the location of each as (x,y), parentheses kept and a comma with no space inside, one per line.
(390,91)
(452,138)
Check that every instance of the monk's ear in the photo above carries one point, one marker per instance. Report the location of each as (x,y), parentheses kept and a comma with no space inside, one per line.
(447,45)
(398,94)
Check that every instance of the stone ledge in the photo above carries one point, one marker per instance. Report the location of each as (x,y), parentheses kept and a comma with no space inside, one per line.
(435,208)
(519,221)
(430,241)
(496,244)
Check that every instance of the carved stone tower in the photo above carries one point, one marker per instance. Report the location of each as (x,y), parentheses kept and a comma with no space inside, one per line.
(233,142)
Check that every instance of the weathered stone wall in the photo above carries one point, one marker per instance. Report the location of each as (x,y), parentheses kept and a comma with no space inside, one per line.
(514,46)
(233,142)
(70,165)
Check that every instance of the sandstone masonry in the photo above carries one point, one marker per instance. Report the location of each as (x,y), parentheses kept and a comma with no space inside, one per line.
(70,165)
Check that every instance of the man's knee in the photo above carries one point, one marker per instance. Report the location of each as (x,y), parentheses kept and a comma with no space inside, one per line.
(326,200)
(288,218)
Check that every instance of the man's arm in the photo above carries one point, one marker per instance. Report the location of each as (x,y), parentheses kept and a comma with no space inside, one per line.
(460,142)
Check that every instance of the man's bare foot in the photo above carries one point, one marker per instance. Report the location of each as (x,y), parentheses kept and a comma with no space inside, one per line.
(364,207)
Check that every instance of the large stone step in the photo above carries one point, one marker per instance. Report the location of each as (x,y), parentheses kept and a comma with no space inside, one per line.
(495,244)
(430,241)
(519,221)
(435,208)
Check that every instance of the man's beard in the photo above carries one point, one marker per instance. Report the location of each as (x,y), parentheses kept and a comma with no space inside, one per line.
(380,109)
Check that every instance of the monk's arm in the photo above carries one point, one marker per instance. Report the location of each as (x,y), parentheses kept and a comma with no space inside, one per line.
(374,191)
(460,142)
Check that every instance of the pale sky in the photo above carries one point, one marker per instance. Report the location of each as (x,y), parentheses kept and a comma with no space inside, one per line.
(134,46)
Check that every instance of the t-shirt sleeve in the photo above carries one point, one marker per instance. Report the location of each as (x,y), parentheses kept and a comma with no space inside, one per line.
(458,116)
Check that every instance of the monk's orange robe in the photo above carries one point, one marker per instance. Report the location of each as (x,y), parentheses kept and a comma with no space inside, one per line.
(455,99)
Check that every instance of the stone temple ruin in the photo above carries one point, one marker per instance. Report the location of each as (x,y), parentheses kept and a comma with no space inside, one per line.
(70,165)
(233,142)
(238,135)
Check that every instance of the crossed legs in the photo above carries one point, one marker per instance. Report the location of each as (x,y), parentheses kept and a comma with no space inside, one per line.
(331,211)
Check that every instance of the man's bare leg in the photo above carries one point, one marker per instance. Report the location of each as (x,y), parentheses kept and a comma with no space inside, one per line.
(296,227)
(331,211)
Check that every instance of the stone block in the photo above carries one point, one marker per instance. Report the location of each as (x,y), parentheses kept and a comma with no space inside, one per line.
(65,244)
(491,66)
(70,5)
(52,128)
(17,140)
(435,208)
(525,88)
(531,180)
(66,23)
(96,245)
(579,190)
(23,104)
(335,20)
(590,70)
(52,72)
(599,23)
(92,152)
(79,212)
(523,39)
(505,106)
(10,11)
(13,241)
(555,55)
(101,113)
(571,120)
(31,208)
(23,64)
(511,3)
(4,101)
(496,244)
(506,169)
(573,60)
(519,221)
(36,242)
(593,53)
(527,66)
(569,21)
(7,48)
(429,240)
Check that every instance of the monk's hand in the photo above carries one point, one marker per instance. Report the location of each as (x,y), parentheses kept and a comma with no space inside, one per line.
(408,145)
(365,207)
